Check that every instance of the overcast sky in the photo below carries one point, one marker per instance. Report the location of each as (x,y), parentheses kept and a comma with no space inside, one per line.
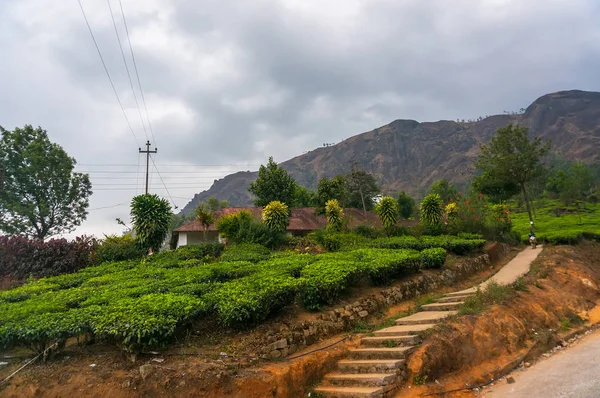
(229,83)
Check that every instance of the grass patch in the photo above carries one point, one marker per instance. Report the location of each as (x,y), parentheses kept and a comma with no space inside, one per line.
(419,380)
(493,294)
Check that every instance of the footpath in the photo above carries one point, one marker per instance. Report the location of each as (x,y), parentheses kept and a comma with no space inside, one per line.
(378,367)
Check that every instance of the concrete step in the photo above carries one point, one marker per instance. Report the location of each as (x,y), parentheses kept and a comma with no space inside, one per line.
(389,341)
(403,330)
(425,317)
(442,306)
(351,392)
(453,299)
(370,366)
(361,379)
(472,290)
(380,352)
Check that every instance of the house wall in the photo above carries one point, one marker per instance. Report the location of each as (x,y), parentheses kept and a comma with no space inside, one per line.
(182,239)
(196,237)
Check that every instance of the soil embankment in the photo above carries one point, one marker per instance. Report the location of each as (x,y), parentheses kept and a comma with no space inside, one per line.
(559,295)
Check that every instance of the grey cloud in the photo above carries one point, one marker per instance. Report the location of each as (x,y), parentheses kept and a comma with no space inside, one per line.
(260,78)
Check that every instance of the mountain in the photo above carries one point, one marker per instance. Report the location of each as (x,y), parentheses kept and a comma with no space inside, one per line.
(408,155)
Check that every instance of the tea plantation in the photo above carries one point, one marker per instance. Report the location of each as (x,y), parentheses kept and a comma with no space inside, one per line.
(137,304)
(559,224)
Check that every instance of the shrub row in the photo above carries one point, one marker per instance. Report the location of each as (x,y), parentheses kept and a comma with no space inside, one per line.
(564,237)
(454,244)
(21,257)
(139,304)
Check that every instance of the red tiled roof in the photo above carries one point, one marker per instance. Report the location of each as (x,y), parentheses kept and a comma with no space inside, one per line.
(301,219)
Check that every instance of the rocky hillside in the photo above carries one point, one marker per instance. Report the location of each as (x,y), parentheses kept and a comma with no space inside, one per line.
(408,155)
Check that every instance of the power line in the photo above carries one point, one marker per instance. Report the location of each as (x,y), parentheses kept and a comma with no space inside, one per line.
(108,207)
(127,68)
(136,72)
(106,70)
(161,179)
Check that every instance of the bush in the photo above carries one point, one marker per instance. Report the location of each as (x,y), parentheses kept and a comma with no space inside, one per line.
(385,265)
(205,252)
(246,252)
(433,258)
(118,248)
(325,280)
(242,227)
(431,209)
(248,301)
(566,237)
(21,257)
(367,231)
(336,241)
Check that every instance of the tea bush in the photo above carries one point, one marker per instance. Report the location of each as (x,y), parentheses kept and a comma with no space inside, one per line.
(141,303)
(246,252)
(118,248)
(433,258)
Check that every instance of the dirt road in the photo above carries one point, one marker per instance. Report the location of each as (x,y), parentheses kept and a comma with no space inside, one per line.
(570,373)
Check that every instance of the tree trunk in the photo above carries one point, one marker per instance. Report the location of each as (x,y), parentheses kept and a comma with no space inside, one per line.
(526,198)
(362,197)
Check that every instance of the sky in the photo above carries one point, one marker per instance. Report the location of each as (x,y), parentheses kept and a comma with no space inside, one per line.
(228,83)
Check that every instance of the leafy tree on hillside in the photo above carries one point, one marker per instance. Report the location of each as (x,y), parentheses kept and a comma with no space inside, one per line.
(305,197)
(40,194)
(362,190)
(151,217)
(328,189)
(213,204)
(511,157)
(444,189)
(406,205)
(497,191)
(273,184)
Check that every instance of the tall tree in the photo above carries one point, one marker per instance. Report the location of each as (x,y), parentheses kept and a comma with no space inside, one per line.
(205,217)
(41,196)
(151,217)
(443,188)
(328,189)
(496,191)
(273,184)
(511,156)
(213,204)
(406,205)
(362,189)
(387,210)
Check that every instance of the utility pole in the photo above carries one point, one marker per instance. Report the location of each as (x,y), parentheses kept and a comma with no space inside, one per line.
(148,152)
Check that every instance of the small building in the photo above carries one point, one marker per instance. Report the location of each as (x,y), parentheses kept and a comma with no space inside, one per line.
(303,220)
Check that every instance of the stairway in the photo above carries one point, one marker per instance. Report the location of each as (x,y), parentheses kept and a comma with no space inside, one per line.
(378,367)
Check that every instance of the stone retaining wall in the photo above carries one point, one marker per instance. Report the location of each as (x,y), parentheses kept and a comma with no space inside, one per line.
(285,340)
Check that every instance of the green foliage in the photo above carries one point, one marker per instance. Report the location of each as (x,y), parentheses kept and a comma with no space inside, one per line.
(444,189)
(242,227)
(118,248)
(568,228)
(451,243)
(273,184)
(204,217)
(361,190)
(325,280)
(431,209)
(497,190)
(367,231)
(305,197)
(406,205)
(41,196)
(151,217)
(512,158)
(141,305)
(327,190)
(387,210)
(246,252)
(335,215)
(276,216)
(433,258)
